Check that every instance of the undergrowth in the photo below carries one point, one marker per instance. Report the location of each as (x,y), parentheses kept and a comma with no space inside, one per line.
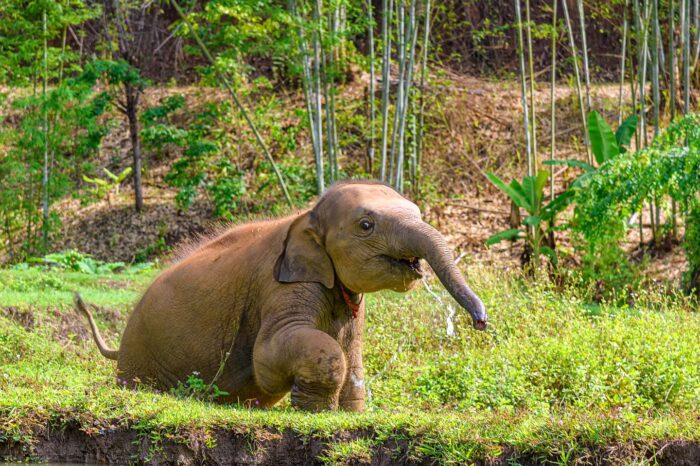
(552,377)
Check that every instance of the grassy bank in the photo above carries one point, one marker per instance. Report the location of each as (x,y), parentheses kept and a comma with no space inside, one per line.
(552,378)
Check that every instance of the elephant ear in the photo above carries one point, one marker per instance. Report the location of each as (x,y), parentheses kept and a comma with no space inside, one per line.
(304,259)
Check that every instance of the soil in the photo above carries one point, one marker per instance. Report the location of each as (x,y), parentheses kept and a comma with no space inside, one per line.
(71,444)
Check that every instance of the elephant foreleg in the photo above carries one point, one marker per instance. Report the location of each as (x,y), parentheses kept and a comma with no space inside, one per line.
(311,359)
(352,394)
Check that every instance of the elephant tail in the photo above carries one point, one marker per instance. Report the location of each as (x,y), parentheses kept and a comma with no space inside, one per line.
(82,309)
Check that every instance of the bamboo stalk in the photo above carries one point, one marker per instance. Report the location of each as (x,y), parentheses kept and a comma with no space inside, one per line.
(622,62)
(413,34)
(633,89)
(324,87)
(696,25)
(530,231)
(236,101)
(656,97)
(45,131)
(672,57)
(317,92)
(533,114)
(584,53)
(643,31)
(306,85)
(672,91)
(637,136)
(64,35)
(552,97)
(642,61)
(372,80)
(655,208)
(401,49)
(338,48)
(423,70)
(574,54)
(414,141)
(662,53)
(523,88)
(387,10)
(686,56)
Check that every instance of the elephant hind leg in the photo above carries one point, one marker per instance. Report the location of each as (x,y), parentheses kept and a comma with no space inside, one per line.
(311,359)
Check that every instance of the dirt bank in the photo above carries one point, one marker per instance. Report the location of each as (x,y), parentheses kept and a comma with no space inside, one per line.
(70,443)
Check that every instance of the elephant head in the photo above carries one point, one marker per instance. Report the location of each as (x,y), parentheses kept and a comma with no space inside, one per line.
(370,238)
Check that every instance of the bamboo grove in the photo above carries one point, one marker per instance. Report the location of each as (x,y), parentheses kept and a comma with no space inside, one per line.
(317,48)
(659,54)
(399,51)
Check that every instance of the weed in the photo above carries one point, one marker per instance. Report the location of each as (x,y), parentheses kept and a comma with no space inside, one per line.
(197,389)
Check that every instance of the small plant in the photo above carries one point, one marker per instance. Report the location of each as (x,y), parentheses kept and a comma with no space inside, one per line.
(156,248)
(76,261)
(195,388)
(535,229)
(106,188)
(159,132)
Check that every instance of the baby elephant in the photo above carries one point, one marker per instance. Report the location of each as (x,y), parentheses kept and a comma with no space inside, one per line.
(273,306)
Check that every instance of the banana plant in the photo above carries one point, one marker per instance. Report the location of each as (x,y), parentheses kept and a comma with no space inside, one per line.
(535,227)
(605,145)
(101,188)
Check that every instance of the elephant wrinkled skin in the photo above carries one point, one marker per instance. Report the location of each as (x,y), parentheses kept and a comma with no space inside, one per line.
(277,305)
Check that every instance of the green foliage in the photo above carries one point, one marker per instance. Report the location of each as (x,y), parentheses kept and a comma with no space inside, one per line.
(352,452)
(161,113)
(205,167)
(75,112)
(196,389)
(616,369)
(603,142)
(237,31)
(545,378)
(692,247)
(115,73)
(157,248)
(103,187)
(202,169)
(604,262)
(529,196)
(21,38)
(624,133)
(300,175)
(670,166)
(78,262)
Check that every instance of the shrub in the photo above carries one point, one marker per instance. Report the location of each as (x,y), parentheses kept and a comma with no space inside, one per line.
(669,167)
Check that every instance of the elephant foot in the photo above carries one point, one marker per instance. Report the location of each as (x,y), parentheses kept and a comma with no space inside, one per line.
(356,406)
(315,399)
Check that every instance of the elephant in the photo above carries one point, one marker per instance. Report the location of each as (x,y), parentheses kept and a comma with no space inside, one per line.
(275,306)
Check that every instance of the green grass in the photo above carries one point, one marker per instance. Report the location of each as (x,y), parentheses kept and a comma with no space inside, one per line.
(552,377)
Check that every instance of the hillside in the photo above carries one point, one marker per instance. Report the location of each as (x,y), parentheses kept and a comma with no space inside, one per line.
(474,126)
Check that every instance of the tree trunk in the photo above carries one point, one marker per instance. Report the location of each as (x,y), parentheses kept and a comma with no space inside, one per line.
(132,101)
(45,132)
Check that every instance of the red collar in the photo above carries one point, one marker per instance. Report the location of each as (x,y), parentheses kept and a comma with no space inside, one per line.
(354,307)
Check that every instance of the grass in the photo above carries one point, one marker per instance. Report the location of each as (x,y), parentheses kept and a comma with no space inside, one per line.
(552,378)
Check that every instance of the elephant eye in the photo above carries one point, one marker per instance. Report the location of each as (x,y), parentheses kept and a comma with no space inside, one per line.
(366,225)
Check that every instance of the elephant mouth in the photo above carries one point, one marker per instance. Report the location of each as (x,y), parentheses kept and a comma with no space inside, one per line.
(409,264)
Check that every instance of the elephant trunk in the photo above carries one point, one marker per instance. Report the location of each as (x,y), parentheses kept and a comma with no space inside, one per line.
(422,240)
